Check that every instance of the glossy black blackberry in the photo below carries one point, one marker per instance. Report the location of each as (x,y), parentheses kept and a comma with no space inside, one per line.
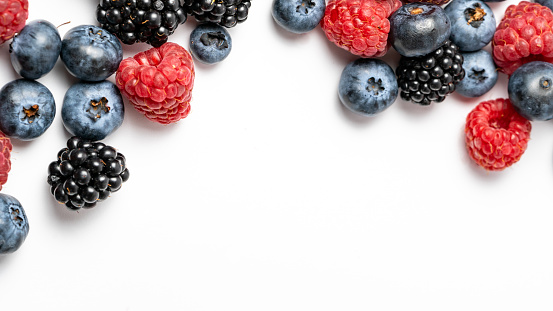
(150,21)
(430,78)
(86,173)
(227,13)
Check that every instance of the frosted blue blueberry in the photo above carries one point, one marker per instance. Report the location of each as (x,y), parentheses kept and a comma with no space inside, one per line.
(416,29)
(480,74)
(92,110)
(91,53)
(472,24)
(14,225)
(298,16)
(35,50)
(210,43)
(28,109)
(530,90)
(367,86)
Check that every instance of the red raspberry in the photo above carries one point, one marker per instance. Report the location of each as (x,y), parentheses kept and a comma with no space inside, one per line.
(159,82)
(523,35)
(496,136)
(5,162)
(359,26)
(13,15)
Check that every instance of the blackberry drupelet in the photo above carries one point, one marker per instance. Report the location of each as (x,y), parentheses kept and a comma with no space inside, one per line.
(150,21)
(226,13)
(430,78)
(86,173)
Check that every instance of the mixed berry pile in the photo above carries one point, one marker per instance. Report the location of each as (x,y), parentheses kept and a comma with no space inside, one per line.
(157,82)
(441,45)
(442,48)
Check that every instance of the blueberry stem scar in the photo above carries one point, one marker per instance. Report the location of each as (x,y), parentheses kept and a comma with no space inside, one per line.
(478,74)
(214,38)
(375,86)
(16,216)
(304,6)
(97,107)
(415,11)
(31,113)
(475,15)
(545,83)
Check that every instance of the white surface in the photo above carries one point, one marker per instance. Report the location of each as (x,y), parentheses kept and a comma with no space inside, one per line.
(272,196)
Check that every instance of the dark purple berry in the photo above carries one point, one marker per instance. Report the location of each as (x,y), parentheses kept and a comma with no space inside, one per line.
(91,172)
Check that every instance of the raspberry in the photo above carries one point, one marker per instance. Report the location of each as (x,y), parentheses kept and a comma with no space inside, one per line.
(13,15)
(523,35)
(5,162)
(496,136)
(158,82)
(359,26)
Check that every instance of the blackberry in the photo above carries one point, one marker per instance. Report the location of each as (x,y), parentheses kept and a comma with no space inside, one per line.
(85,173)
(431,77)
(226,13)
(150,21)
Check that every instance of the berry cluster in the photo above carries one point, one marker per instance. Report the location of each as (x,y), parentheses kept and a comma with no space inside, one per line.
(141,20)
(432,77)
(440,43)
(227,13)
(158,82)
(153,21)
(86,173)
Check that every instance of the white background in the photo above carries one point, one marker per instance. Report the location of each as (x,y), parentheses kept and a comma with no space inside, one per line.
(272,196)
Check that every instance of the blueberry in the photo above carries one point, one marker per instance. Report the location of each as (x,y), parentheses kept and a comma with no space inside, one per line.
(14,225)
(472,24)
(92,110)
(28,109)
(35,50)
(298,16)
(547,3)
(480,74)
(210,43)
(530,90)
(367,86)
(91,53)
(418,28)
